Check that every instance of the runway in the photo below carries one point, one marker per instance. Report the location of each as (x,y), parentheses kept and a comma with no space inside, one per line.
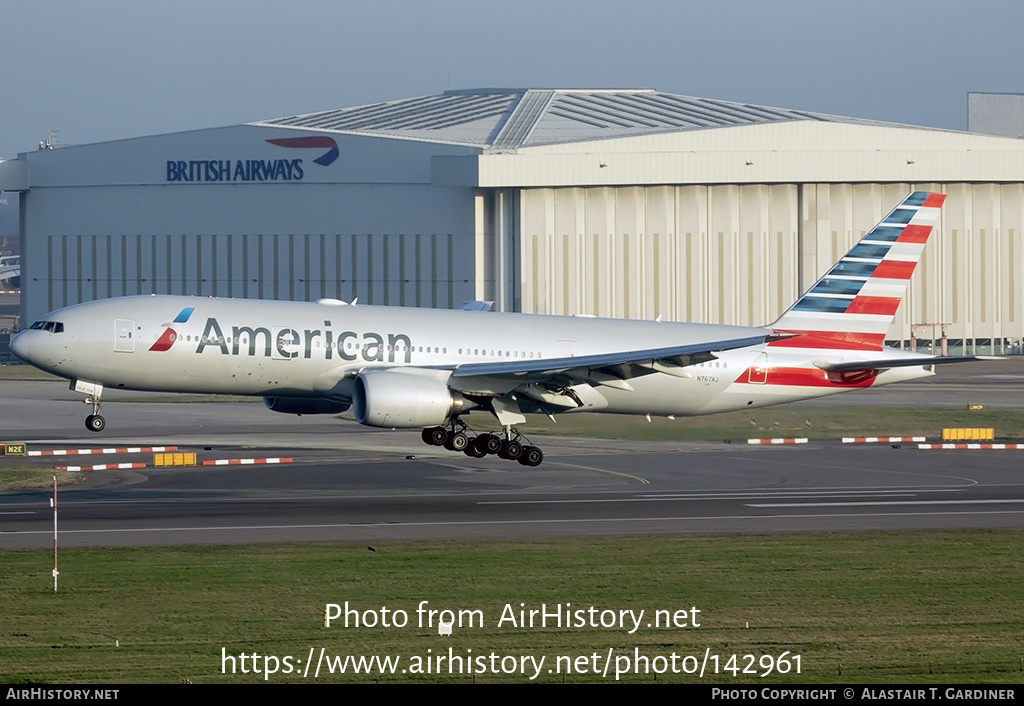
(354,484)
(604,489)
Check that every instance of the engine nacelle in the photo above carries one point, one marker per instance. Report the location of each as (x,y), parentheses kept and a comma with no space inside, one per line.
(304,405)
(405,398)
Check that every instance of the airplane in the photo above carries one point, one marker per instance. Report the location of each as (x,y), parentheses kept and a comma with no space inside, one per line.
(10,270)
(403,367)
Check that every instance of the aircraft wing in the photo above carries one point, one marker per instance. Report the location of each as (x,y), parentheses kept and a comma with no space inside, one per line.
(886,363)
(608,368)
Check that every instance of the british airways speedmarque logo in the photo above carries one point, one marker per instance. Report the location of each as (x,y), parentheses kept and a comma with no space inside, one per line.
(319,141)
(169,336)
(249,170)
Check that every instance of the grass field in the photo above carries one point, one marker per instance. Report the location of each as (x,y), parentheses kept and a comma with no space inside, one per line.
(15,476)
(912,607)
(24,372)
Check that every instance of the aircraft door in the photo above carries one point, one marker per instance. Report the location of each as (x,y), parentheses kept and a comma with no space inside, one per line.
(124,335)
(758,374)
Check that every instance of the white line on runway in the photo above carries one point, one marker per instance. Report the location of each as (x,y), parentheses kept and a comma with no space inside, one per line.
(882,502)
(584,501)
(799,493)
(725,496)
(471,523)
(290,496)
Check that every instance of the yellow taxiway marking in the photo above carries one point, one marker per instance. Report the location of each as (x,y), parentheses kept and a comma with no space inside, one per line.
(630,476)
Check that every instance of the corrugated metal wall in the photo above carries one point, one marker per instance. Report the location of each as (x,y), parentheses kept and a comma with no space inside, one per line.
(742,254)
(431,270)
(686,253)
(402,245)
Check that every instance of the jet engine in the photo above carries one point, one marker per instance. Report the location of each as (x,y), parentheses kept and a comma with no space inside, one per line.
(405,398)
(304,405)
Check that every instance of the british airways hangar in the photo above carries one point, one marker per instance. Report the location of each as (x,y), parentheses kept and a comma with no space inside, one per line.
(624,203)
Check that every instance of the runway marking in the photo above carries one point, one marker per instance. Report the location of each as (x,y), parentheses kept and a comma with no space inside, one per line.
(824,492)
(630,476)
(883,502)
(216,496)
(25,512)
(725,496)
(470,523)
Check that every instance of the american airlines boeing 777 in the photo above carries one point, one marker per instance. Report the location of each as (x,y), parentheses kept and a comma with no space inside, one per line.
(423,368)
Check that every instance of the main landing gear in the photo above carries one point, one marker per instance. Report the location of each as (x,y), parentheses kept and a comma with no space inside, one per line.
(510,447)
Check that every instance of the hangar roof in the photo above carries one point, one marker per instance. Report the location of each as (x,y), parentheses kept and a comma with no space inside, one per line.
(508,118)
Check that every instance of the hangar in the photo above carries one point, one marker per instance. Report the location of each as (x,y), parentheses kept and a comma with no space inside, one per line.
(622,203)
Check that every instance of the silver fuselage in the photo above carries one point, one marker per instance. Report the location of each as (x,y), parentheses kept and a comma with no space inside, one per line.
(315,350)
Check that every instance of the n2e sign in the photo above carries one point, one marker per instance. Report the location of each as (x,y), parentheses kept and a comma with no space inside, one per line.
(14,449)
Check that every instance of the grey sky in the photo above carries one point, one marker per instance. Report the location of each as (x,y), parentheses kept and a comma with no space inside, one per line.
(107,69)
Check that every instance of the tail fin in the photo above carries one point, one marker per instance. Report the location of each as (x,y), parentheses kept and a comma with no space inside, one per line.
(853,305)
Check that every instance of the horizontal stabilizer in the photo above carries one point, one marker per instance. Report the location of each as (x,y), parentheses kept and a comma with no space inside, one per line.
(885,363)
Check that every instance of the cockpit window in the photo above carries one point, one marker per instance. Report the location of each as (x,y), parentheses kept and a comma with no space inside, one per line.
(51,326)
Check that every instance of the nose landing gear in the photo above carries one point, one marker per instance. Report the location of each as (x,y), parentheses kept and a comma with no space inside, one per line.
(95,422)
(94,391)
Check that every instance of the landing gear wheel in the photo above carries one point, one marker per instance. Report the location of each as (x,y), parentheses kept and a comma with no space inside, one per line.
(474,449)
(510,450)
(489,443)
(95,422)
(435,436)
(532,456)
(457,442)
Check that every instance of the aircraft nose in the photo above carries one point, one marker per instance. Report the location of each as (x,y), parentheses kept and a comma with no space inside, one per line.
(21,347)
(31,347)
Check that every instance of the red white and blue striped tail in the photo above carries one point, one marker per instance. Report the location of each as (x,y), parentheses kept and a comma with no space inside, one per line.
(853,305)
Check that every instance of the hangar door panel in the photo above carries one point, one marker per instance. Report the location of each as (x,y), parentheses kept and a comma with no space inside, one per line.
(723,254)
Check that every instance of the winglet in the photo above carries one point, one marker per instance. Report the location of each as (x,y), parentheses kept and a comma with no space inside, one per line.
(854,304)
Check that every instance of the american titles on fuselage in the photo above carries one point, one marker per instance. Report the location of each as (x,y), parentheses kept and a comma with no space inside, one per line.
(284,342)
